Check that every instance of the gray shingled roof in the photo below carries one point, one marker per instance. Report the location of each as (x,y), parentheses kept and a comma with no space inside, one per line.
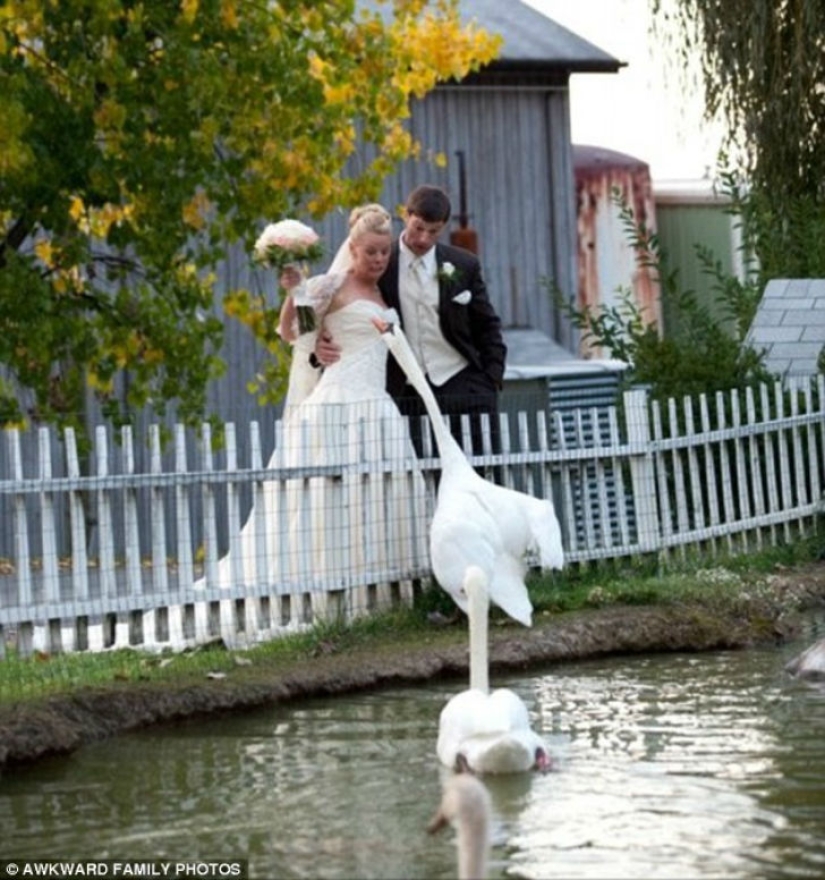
(790,325)
(531,39)
(532,354)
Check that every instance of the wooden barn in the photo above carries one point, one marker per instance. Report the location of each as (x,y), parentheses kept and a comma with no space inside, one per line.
(513,183)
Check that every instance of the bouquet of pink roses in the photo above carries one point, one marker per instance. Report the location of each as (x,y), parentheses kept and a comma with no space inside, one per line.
(287,243)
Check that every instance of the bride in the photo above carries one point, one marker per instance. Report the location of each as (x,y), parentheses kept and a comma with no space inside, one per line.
(326,533)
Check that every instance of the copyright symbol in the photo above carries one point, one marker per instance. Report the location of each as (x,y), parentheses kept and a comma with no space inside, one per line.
(11,869)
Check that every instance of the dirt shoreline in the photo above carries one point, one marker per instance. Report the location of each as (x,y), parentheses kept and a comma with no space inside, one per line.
(60,725)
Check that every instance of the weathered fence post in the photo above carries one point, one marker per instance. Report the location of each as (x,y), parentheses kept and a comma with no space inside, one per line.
(642,469)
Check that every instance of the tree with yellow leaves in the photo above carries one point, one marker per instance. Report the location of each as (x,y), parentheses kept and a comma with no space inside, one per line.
(141,138)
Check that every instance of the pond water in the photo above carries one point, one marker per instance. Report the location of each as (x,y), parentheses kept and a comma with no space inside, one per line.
(682,766)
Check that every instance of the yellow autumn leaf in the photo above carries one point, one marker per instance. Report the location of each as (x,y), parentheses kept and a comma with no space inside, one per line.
(317,67)
(99,384)
(345,139)
(152,356)
(195,211)
(398,141)
(98,221)
(229,14)
(44,251)
(342,93)
(120,355)
(186,272)
(77,209)
(189,9)
(110,115)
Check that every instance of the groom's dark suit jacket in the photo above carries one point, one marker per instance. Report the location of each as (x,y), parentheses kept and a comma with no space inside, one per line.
(473,329)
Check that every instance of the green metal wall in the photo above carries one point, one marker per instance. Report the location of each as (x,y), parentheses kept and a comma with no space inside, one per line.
(681,226)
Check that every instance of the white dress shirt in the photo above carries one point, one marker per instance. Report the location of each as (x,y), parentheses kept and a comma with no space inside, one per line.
(418,289)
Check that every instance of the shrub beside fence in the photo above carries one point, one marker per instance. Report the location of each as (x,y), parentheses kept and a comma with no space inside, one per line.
(194,546)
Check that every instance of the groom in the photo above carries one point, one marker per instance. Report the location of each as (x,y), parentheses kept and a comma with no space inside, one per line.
(439,292)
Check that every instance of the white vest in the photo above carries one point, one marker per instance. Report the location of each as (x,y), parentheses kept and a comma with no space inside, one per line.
(418,294)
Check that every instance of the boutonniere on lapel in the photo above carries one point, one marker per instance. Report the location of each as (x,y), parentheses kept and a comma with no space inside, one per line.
(448,273)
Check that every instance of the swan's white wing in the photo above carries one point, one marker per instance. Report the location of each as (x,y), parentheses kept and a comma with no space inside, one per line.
(508,590)
(546,530)
(463,716)
(526,524)
(506,585)
(509,709)
(458,540)
(465,531)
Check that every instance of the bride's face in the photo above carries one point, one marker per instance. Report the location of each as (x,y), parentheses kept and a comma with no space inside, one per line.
(370,255)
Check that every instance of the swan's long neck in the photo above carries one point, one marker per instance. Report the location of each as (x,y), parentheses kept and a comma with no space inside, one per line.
(478,612)
(400,348)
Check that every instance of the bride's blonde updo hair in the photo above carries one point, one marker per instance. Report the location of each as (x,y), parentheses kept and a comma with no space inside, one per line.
(369,218)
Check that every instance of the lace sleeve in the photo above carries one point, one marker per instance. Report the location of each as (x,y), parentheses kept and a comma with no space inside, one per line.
(320,291)
(316,293)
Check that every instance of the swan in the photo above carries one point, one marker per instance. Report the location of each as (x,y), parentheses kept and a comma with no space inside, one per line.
(477,522)
(483,731)
(465,804)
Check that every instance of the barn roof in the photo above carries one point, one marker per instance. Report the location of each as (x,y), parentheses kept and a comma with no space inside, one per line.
(532,40)
(535,50)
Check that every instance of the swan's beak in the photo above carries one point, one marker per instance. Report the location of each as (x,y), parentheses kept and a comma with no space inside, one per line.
(382,326)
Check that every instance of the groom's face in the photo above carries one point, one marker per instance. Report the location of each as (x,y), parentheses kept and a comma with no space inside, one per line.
(420,235)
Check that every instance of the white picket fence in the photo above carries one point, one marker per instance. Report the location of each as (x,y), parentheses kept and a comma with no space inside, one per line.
(157,558)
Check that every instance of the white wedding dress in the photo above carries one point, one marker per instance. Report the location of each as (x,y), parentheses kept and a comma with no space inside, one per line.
(339,533)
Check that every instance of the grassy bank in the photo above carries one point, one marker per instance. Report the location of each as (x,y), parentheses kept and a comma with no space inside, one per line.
(714,585)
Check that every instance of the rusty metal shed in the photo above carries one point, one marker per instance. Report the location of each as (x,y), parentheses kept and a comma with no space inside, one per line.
(606,260)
